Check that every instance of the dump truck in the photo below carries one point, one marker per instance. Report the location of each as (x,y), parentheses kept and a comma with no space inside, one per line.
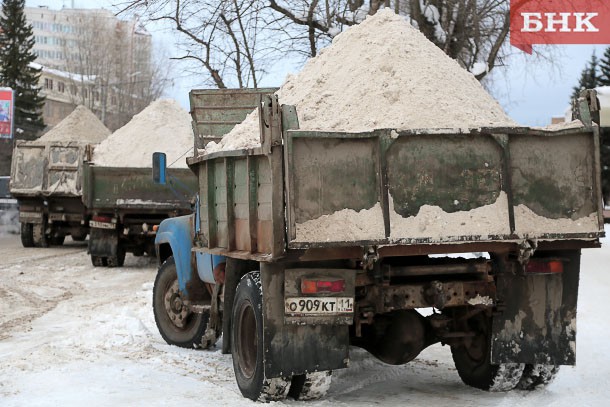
(316,241)
(126,207)
(46,180)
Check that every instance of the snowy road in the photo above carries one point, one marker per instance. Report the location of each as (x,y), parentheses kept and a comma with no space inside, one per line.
(72,335)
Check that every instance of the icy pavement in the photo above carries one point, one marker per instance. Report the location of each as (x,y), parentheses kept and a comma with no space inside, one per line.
(73,335)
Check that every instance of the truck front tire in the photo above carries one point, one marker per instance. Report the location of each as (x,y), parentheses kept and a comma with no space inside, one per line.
(247,344)
(177,324)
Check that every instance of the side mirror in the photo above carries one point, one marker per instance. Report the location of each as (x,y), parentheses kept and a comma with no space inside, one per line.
(158,168)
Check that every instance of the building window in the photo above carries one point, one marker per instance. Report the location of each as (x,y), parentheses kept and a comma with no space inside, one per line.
(73,90)
(61,87)
(48,83)
(85,94)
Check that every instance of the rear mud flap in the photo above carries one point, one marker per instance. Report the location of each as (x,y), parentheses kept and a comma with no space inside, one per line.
(103,242)
(296,349)
(537,320)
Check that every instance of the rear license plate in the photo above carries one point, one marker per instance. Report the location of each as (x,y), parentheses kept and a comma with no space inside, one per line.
(102,225)
(318,305)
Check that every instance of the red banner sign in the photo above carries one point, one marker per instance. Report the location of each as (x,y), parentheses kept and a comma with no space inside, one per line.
(559,22)
(6,113)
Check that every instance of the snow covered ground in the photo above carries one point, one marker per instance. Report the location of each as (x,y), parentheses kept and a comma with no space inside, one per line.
(73,335)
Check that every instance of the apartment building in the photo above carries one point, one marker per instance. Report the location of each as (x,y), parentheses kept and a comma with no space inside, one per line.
(59,44)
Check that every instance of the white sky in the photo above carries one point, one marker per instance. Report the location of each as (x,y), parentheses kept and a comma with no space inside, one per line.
(530,90)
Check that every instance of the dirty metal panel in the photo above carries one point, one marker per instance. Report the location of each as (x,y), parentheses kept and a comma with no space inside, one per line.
(537,322)
(447,171)
(216,111)
(554,177)
(62,182)
(220,203)
(204,202)
(296,349)
(264,213)
(241,207)
(64,176)
(133,188)
(329,174)
(65,156)
(28,169)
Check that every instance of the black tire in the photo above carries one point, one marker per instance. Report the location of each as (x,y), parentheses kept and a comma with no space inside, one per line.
(98,261)
(535,376)
(310,386)
(119,259)
(57,240)
(39,236)
(27,235)
(79,237)
(473,361)
(177,325)
(247,344)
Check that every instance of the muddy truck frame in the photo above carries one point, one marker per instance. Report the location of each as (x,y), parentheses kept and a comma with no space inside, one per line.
(289,304)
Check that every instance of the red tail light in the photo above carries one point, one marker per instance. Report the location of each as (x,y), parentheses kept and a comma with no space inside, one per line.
(536,266)
(314,286)
(107,219)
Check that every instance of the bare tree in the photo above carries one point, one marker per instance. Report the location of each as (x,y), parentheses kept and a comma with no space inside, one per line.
(235,40)
(224,37)
(473,32)
(111,70)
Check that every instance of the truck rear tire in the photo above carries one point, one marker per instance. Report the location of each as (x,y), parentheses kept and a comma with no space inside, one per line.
(535,376)
(247,344)
(27,235)
(39,236)
(310,386)
(473,361)
(98,261)
(119,259)
(176,323)
(57,240)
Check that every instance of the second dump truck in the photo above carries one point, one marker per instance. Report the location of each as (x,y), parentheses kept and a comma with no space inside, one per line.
(316,241)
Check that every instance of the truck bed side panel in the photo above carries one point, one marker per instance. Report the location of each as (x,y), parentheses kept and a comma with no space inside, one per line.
(134,189)
(28,170)
(398,189)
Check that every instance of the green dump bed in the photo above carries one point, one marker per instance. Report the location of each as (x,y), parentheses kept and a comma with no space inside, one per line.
(133,190)
(304,190)
(50,169)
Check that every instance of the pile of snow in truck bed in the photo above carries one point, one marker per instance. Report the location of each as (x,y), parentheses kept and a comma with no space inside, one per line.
(163,126)
(80,125)
(382,73)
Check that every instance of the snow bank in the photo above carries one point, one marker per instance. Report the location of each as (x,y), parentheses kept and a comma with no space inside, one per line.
(163,126)
(382,73)
(80,125)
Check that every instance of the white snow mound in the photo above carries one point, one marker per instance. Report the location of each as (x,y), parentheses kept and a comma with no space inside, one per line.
(80,125)
(382,73)
(163,126)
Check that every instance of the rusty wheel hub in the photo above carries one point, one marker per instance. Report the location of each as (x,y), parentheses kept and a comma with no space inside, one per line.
(175,307)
